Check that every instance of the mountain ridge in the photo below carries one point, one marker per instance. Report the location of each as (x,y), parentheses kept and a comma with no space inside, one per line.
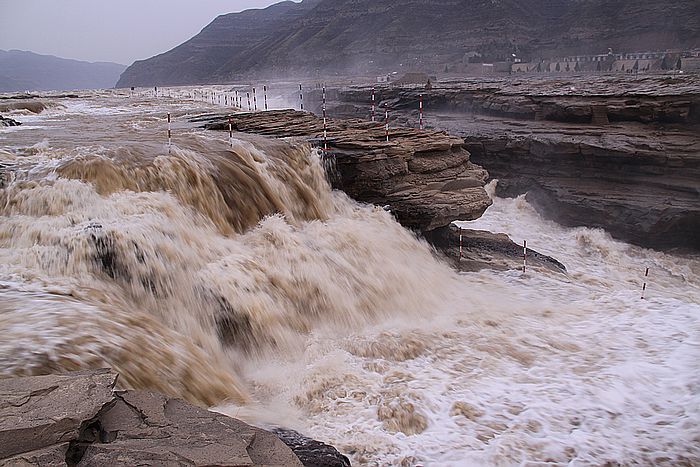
(22,70)
(372,36)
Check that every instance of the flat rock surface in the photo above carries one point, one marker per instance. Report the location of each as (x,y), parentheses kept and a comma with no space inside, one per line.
(43,411)
(425,177)
(78,419)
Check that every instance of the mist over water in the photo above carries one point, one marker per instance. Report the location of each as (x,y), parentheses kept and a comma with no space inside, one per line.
(235,278)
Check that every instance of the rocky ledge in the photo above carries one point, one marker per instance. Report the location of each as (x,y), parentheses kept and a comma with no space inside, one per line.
(77,419)
(619,153)
(8,122)
(425,177)
(486,250)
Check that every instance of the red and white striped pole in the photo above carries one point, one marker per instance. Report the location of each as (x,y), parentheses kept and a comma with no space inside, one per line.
(644,287)
(265,96)
(461,247)
(372,104)
(255,100)
(230,131)
(420,112)
(524,255)
(325,127)
(301,99)
(169,133)
(386,122)
(248,95)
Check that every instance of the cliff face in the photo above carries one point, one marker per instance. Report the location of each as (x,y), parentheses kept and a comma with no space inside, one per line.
(371,36)
(619,153)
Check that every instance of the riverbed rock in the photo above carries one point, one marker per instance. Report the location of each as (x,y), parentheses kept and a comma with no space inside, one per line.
(8,122)
(310,452)
(424,177)
(486,250)
(41,415)
(78,419)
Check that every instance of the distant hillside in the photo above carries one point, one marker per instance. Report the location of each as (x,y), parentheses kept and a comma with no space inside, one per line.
(27,71)
(371,36)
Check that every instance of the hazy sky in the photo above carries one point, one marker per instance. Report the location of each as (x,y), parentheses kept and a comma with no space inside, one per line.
(115,31)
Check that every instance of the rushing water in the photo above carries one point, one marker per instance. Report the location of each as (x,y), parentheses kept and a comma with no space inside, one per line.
(232,276)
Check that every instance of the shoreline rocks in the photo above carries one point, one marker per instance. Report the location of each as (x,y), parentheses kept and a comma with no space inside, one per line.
(78,419)
(8,121)
(486,250)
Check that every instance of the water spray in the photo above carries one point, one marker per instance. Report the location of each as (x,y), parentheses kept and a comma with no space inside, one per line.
(644,287)
(524,255)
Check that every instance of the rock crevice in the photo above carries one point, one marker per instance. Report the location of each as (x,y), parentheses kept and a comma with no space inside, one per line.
(77,419)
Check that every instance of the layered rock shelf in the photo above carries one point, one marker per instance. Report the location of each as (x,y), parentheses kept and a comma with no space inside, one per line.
(424,177)
(619,153)
(78,419)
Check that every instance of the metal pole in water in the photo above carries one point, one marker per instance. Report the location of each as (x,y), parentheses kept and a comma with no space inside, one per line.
(460,244)
(255,100)
(524,255)
(230,131)
(265,95)
(373,104)
(644,287)
(237,103)
(248,94)
(169,134)
(301,99)
(386,123)
(325,128)
(420,112)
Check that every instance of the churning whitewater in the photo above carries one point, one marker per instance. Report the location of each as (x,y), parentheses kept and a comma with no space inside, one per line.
(234,277)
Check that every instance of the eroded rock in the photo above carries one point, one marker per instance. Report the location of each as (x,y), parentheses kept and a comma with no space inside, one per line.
(609,152)
(41,412)
(425,177)
(77,419)
(8,122)
(486,250)
(310,452)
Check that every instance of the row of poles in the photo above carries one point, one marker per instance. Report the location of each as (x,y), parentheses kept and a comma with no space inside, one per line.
(237,100)
(372,113)
(461,255)
(234,98)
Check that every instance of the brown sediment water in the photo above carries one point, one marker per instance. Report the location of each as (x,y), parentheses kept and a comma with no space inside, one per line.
(236,278)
